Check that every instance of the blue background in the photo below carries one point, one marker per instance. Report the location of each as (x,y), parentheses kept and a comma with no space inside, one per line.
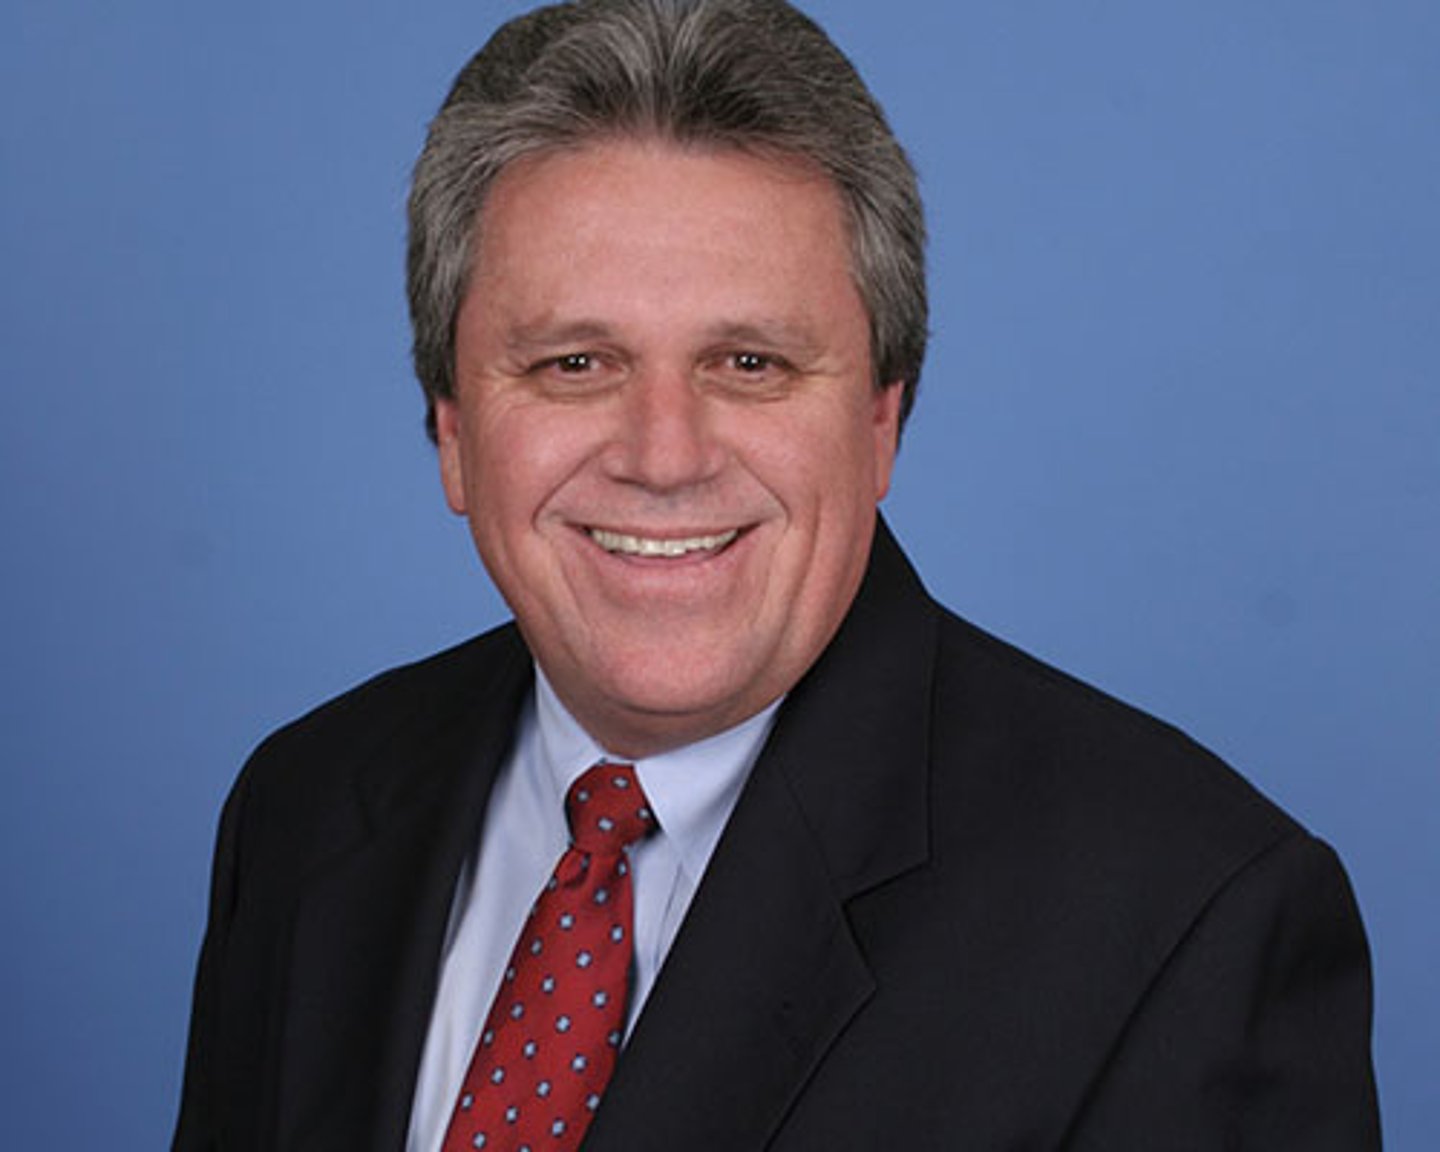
(1180,433)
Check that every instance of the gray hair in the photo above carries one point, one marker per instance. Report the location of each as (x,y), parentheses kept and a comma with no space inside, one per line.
(755,75)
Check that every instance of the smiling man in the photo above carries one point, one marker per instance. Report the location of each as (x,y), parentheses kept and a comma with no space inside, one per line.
(666,431)
(734,839)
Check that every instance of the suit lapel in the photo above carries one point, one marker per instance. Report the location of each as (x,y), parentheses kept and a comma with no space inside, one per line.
(370,928)
(765,973)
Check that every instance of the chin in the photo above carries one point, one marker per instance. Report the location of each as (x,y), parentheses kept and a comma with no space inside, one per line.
(663,704)
(670,691)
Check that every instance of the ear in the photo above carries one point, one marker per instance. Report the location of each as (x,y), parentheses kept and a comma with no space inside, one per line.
(887,434)
(452,458)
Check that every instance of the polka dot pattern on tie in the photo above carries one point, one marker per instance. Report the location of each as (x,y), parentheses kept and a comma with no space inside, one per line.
(553,1033)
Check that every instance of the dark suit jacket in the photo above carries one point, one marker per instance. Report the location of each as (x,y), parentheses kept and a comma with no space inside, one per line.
(964,902)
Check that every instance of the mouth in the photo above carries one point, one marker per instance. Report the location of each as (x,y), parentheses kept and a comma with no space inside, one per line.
(660,547)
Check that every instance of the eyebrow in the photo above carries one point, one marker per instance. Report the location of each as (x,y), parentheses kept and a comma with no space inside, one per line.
(797,339)
(542,334)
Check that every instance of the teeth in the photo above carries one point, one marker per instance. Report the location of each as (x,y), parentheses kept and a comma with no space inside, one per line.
(648,546)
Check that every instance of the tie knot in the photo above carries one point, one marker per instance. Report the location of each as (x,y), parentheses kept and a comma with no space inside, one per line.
(607,809)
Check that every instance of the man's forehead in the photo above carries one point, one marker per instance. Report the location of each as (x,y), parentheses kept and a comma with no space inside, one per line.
(653,193)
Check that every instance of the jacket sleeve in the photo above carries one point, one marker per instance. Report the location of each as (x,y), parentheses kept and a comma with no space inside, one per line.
(196,1129)
(1256,1032)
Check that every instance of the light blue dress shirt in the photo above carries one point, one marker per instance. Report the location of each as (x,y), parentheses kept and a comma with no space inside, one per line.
(692,791)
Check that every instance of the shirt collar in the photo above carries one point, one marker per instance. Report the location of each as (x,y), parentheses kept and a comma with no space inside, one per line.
(692,789)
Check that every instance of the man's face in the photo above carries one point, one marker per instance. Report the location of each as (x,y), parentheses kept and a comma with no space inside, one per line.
(665,433)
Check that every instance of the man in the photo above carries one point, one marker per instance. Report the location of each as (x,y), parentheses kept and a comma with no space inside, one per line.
(872,878)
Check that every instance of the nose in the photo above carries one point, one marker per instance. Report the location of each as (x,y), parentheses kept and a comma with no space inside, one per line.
(666,441)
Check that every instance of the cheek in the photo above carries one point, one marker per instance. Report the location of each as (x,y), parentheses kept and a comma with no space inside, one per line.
(525,457)
(831,457)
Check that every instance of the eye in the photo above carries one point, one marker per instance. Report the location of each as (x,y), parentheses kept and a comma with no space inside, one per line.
(750,375)
(751,362)
(575,375)
(574,363)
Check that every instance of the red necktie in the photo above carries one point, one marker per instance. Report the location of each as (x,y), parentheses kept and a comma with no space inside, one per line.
(550,1041)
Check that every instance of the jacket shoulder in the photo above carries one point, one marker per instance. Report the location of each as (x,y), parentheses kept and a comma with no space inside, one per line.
(1100,783)
(434,691)
(395,739)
